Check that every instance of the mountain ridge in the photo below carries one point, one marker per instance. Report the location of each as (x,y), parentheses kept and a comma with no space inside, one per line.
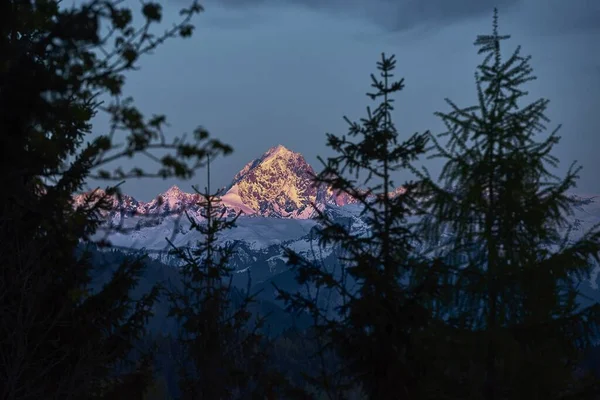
(273,193)
(277,184)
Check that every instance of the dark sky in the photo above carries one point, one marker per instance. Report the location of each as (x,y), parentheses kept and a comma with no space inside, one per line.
(258,73)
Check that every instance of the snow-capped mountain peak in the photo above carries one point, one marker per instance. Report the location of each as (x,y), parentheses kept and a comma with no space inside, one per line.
(174,195)
(173,200)
(173,191)
(277,184)
(279,151)
(121,203)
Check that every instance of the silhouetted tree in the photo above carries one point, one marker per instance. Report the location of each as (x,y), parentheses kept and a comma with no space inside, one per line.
(222,351)
(500,219)
(59,67)
(375,332)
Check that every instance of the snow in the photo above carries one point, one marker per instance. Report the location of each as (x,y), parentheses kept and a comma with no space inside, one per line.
(261,191)
(172,196)
(262,232)
(309,248)
(278,151)
(256,232)
(233,200)
(269,185)
(277,184)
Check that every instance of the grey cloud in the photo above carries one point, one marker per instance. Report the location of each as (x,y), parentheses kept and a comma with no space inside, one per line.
(545,16)
(559,16)
(394,15)
(407,14)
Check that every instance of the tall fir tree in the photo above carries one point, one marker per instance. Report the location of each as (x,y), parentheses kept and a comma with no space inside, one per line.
(376,332)
(499,217)
(222,351)
(59,338)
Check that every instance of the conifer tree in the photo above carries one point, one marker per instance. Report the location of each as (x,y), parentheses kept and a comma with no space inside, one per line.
(59,339)
(375,334)
(222,351)
(499,217)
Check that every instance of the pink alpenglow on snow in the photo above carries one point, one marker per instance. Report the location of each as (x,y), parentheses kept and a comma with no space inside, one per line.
(277,184)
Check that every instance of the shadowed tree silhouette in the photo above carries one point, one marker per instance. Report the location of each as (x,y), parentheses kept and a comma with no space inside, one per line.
(374,335)
(500,218)
(222,353)
(60,66)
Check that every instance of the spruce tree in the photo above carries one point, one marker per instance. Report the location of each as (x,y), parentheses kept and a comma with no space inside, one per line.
(60,66)
(375,334)
(222,352)
(500,219)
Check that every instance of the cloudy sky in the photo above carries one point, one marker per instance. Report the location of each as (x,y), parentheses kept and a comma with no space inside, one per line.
(258,73)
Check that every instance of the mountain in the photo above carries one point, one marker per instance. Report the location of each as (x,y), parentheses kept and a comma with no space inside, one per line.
(277,184)
(120,204)
(274,194)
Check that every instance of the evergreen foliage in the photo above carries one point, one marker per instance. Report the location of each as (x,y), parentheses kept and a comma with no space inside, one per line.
(222,352)
(499,217)
(375,334)
(58,338)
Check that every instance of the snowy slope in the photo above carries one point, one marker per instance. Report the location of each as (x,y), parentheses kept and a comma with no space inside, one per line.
(256,232)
